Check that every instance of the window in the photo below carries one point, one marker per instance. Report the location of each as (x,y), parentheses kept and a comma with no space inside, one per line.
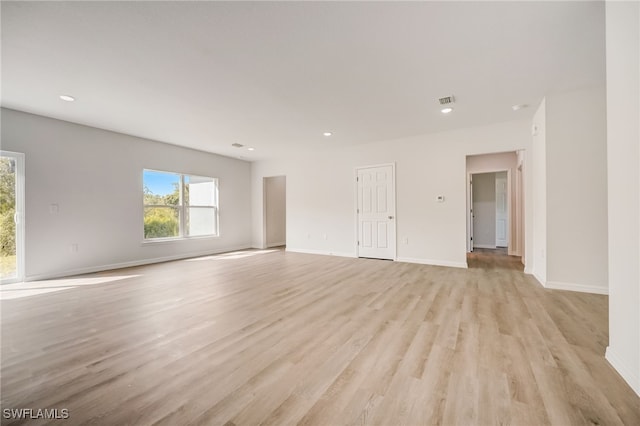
(178,206)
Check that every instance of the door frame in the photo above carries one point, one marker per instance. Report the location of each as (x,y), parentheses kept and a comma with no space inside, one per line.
(510,221)
(469,212)
(20,216)
(395,207)
(265,243)
(510,250)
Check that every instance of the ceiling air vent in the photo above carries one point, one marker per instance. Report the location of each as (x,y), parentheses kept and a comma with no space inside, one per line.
(237,145)
(447,100)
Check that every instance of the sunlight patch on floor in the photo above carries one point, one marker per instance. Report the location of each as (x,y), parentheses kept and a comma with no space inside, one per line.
(35,288)
(232,255)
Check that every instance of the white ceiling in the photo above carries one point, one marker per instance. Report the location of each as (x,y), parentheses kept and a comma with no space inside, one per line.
(276,75)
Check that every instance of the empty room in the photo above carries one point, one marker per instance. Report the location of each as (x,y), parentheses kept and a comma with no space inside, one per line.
(327,213)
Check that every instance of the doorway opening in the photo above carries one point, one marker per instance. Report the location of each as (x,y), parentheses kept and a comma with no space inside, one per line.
(490,210)
(275,211)
(495,197)
(494,259)
(12,217)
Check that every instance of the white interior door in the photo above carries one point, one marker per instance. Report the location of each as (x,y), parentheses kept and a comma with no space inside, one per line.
(502,210)
(376,212)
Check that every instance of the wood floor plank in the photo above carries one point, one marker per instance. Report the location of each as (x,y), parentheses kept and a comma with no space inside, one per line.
(272,337)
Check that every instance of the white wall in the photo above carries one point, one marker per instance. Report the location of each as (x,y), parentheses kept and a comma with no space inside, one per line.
(539,187)
(95,178)
(576,167)
(491,162)
(623,134)
(504,161)
(321,192)
(275,199)
(484,210)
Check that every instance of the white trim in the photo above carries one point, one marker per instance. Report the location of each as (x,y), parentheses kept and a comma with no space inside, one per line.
(279,244)
(518,195)
(108,267)
(509,215)
(20,196)
(485,246)
(433,262)
(516,238)
(356,224)
(538,278)
(153,241)
(583,288)
(320,252)
(510,250)
(264,244)
(528,270)
(395,207)
(469,206)
(556,285)
(629,374)
(183,208)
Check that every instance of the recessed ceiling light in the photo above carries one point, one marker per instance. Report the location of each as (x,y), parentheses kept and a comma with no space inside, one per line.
(446,110)
(67,98)
(519,106)
(327,134)
(251,148)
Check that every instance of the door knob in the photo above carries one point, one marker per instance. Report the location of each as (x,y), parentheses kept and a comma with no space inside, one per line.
(390,217)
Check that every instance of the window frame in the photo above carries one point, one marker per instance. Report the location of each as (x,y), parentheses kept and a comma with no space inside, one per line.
(183,209)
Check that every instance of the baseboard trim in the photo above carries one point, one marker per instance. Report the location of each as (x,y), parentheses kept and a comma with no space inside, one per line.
(628,374)
(484,246)
(283,243)
(320,252)
(582,288)
(538,278)
(111,266)
(433,262)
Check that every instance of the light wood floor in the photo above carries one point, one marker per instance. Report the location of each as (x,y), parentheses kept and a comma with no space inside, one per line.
(285,338)
(494,259)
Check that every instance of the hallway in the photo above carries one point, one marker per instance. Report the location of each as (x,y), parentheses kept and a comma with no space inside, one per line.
(494,259)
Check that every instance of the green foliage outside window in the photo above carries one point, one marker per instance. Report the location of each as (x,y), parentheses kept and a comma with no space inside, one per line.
(160,221)
(7,207)
(168,208)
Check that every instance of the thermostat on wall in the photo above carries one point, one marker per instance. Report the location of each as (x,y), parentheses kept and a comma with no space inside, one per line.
(440,198)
